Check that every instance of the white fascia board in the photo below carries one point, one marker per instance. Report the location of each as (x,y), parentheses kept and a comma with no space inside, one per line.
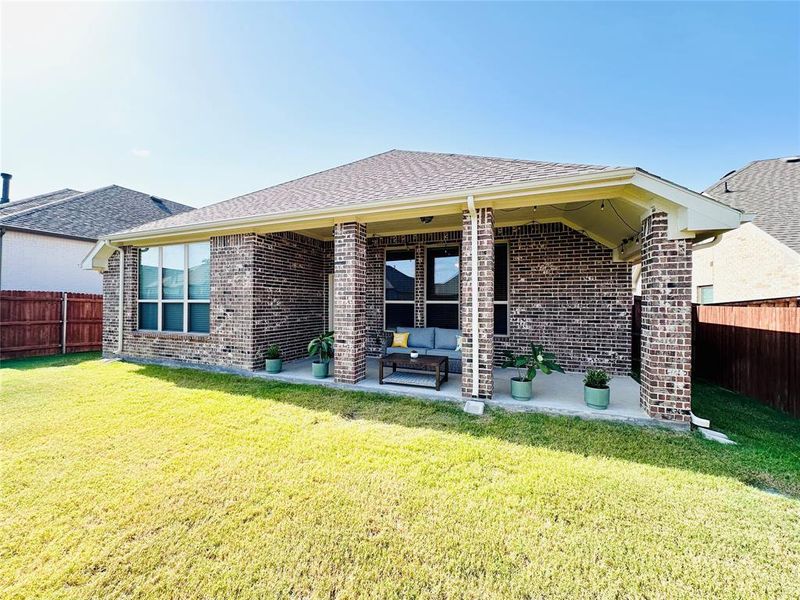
(694,212)
(97,259)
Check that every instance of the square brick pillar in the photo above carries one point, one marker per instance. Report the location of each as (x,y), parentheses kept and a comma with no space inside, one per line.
(484,327)
(666,376)
(349,293)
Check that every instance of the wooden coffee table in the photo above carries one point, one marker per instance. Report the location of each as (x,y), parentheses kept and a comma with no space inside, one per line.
(437,366)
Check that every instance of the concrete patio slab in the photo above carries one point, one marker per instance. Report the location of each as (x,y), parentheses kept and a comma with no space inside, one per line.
(558,394)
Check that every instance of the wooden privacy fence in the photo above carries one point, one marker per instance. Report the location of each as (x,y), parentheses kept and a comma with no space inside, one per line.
(42,323)
(751,350)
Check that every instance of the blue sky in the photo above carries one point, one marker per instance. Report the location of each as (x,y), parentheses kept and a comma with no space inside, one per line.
(199,102)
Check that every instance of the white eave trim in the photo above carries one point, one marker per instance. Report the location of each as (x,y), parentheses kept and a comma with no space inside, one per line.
(690,212)
(97,259)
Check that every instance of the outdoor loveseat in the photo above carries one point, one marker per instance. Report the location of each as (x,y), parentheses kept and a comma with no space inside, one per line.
(433,341)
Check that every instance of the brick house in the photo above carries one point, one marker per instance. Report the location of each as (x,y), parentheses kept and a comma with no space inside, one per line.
(509,251)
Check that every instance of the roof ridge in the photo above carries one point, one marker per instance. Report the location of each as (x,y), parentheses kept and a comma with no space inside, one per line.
(506,159)
(33,209)
(34,197)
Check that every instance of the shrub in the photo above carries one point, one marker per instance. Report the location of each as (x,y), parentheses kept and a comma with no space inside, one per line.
(527,364)
(596,378)
(273,351)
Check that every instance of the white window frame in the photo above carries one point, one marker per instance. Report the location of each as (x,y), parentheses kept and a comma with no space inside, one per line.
(413,301)
(160,300)
(700,289)
(508,290)
(425,280)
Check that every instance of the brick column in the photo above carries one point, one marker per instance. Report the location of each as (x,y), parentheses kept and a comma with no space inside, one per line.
(485,324)
(666,384)
(350,318)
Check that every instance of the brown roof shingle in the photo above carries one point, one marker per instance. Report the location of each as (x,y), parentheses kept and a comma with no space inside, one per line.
(89,215)
(393,174)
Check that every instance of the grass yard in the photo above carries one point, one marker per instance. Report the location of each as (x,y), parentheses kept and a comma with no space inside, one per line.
(120,480)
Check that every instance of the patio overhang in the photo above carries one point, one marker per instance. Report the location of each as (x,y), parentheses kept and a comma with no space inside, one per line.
(608,206)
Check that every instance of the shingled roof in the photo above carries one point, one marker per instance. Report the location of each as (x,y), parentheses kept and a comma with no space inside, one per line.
(770,189)
(16,206)
(88,215)
(393,174)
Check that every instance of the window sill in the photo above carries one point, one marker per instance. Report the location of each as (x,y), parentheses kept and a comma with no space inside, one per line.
(151,333)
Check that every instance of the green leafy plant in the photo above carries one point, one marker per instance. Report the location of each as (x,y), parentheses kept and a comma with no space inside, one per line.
(322,346)
(596,378)
(527,364)
(273,351)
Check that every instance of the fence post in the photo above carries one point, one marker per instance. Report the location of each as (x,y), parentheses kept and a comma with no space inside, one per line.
(64,323)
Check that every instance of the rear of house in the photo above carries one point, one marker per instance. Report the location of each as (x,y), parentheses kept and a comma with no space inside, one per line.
(505,252)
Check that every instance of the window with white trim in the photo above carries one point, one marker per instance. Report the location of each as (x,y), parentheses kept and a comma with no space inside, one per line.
(174,288)
(705,294)
(398,289)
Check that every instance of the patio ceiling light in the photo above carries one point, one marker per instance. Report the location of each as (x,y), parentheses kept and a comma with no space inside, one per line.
(426,219)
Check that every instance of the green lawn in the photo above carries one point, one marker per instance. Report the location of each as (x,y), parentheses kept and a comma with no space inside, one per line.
(118,480)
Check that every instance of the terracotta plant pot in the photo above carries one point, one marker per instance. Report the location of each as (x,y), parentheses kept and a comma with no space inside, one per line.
(521,390)
(596,397)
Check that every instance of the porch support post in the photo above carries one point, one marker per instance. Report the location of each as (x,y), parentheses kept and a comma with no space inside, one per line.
(666,373)
(483,328)
(349,289)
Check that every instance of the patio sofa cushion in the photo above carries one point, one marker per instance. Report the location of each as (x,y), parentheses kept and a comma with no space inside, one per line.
(391,350)
(445,352)
(446,338)
(420,337)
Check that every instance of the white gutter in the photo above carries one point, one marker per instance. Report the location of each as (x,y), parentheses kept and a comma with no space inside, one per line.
(473,217)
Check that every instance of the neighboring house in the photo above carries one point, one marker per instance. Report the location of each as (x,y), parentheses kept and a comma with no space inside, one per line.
(761,259)
(550,247)
(43,239)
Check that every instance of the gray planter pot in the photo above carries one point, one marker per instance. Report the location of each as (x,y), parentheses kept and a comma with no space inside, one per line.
(320,369)
(521,390)
(274,365)
(596,397)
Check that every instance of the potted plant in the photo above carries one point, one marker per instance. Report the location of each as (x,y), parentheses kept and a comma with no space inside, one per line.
(526,366)
(322,348)
(596,392)
(274,362)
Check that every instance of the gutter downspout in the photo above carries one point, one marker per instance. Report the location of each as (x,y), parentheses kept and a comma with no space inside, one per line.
(473,217)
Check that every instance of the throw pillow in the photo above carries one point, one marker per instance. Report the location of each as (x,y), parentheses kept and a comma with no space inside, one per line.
(399,340)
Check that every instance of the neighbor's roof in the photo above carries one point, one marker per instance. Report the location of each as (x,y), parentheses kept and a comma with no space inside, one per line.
(87,215)
(392,175)
(770,189)
(16,206)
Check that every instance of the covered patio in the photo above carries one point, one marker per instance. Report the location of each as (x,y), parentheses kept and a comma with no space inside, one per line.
(557,394)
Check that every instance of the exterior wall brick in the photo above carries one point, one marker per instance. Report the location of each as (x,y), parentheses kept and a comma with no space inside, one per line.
(565,292)
(666,385)
(249,304)
(482,331)
(350,257)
